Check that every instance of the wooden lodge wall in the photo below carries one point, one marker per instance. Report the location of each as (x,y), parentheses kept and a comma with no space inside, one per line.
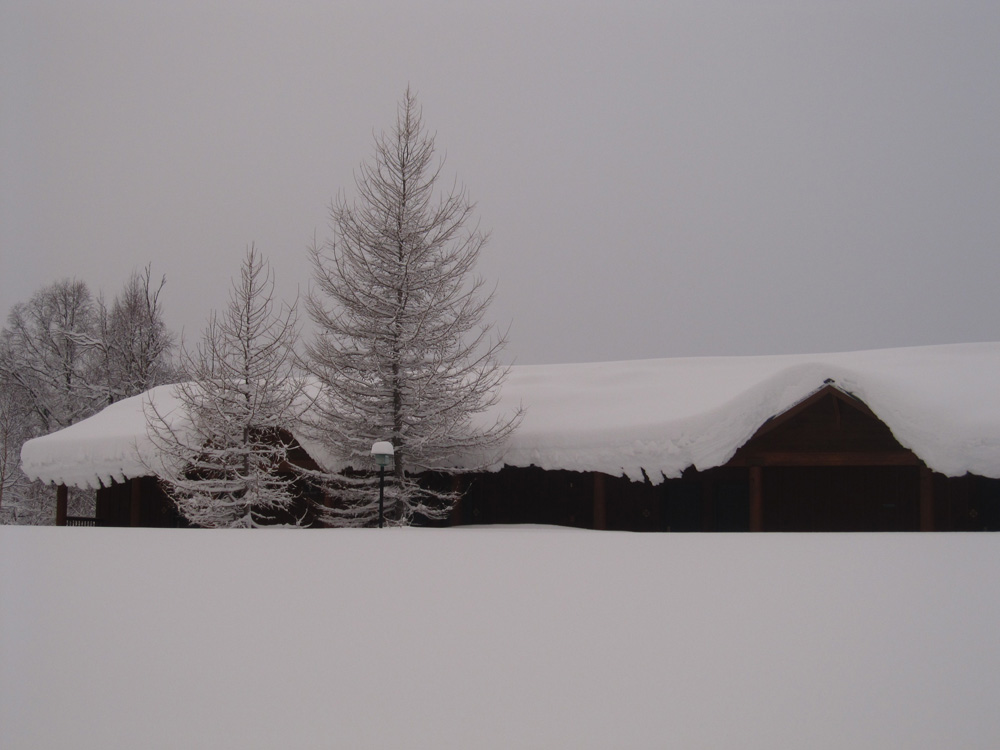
(794,499)
(136,502)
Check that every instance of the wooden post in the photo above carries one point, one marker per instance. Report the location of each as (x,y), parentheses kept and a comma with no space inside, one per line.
(600,505)
(135,515)
(62,503)
(926,499)
(708,502)
(756,498)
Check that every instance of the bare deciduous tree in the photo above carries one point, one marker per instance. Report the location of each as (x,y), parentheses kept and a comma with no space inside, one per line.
(15,429)
(50,354)
(49,381)
(402,352)
(221,454)
(133,339)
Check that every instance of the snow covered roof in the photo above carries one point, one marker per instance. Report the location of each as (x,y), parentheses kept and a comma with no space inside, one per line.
(661,416)
(110,445)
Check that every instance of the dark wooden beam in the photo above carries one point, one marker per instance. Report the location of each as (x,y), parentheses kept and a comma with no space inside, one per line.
(455,517)
(926,499)
(62,503)
(708,521)
(291,466)
(600,502)
(135,504)
(827,458)
(756,498)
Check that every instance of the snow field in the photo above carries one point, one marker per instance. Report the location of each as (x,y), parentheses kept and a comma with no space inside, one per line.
(522,637)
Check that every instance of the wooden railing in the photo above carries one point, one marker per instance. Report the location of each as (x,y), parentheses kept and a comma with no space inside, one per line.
(82,521)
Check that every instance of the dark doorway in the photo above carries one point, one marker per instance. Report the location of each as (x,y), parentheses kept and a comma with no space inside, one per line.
(841,498)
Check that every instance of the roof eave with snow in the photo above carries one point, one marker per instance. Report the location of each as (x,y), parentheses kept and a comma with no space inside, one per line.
(648,417)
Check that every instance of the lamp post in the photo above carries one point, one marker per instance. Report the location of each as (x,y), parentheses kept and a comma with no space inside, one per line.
(383,453)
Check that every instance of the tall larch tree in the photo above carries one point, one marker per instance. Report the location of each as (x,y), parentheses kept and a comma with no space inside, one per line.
(402,351)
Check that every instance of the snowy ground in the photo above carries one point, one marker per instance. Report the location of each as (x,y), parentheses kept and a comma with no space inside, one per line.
(496,638)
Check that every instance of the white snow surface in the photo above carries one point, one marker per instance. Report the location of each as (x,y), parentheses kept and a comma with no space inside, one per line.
(654,416)
(496,638)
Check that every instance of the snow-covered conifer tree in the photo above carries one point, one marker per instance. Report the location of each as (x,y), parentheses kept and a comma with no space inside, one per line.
(402,352)
(224,451)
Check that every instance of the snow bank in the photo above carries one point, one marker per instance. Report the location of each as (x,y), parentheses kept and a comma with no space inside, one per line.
(658,416)
(496,638)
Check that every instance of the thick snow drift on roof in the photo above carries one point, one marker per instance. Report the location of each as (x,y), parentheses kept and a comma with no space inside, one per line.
(662,416)
(658,416)
(111,445)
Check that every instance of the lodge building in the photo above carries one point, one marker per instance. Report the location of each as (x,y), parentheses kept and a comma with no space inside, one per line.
(890,440)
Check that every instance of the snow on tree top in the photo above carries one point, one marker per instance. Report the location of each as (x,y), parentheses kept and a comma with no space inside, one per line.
(654,416)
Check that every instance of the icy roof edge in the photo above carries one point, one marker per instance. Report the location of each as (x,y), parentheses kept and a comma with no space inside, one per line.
(647,417)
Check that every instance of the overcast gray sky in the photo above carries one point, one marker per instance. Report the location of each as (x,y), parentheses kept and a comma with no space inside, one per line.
(661,178)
